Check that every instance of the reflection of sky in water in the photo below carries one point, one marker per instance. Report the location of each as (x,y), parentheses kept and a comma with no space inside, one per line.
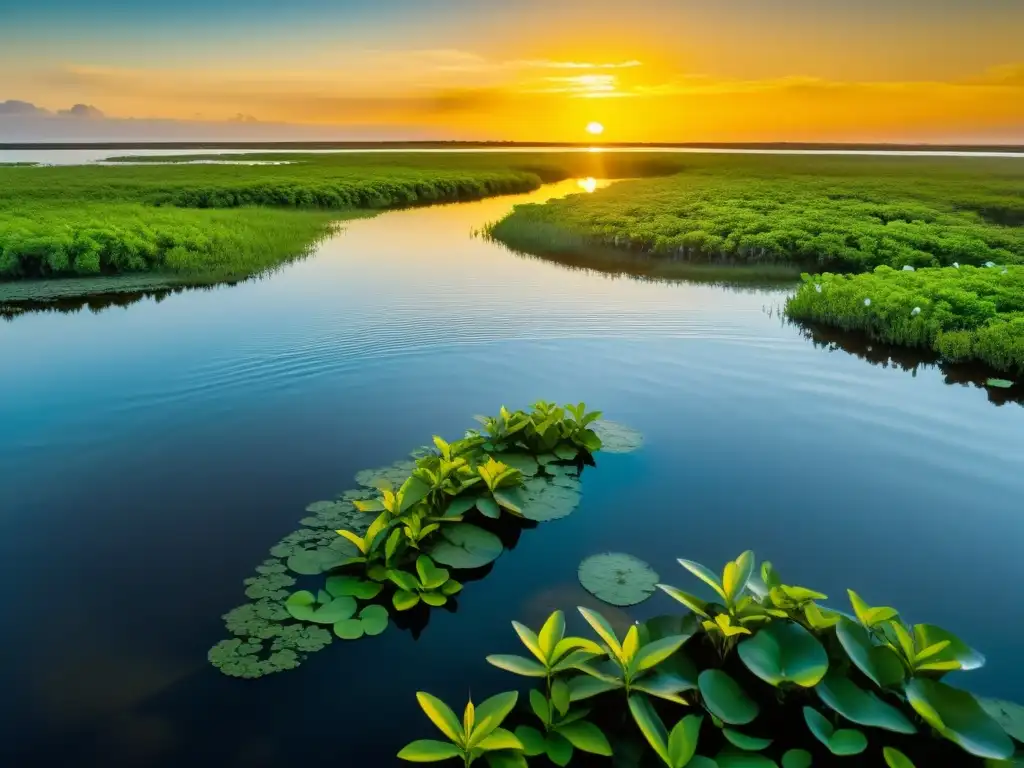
(152,454)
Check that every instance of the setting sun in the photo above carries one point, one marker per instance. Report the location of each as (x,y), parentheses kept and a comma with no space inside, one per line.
(595,129)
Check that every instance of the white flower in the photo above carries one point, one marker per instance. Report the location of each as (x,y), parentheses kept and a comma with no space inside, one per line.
(907,268)
(956,264)
(817,287)
(990,263)
(867,302)
(916,311)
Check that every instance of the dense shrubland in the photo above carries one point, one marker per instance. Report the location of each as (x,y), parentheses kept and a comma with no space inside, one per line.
(962,314)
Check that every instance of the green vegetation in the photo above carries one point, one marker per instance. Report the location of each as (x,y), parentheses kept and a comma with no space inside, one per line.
(762,675)
(816,211)
(456,505)
(962,314)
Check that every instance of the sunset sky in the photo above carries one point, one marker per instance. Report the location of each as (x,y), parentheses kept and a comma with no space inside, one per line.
(649,70)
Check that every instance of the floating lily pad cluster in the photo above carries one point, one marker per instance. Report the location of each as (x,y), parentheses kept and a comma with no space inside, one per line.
(760,676)
(387,546)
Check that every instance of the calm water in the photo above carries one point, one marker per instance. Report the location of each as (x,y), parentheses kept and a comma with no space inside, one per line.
(80,156)
(152,454)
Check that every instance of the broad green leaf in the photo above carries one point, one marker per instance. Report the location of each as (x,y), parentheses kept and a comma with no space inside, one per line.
(338,586)
(374,619)
(859,706)
(301,605)
(518,665)
(370,505)
(731,758)
(441,715)
(460,505)
(867,615)
(587,737)
(349,629)
(1009,715)
(617,578)
(403,601)
(905,640)
(932,650)
(656,652)
(736,575)
(584,686)
(429,751)
(550,634)
(724,698)
(469,719)
(845,741)
(801,594)
(530,640)
(462,545)
(881,664)
(541,706)
(433,599)
(339,609)
(682,739)
(603,629)
(820,619)
(490,714)
(560,695)
(784,652)
(796,758)
(896,759)
(558,749)
(403,580)
(524,462)
(685,626)
(744,741)
(511,499)
(574,660)
(665,686)
(488,507)
(431,577)
(630,644)
(413,491)
(650,725)
(959,717)
(531,739)
(506,758)
(957,650)
(692,602)
(704,575)
(567,644)
(451,587)
(497,739)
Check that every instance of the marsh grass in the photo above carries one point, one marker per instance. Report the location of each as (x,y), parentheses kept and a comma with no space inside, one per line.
(965,314)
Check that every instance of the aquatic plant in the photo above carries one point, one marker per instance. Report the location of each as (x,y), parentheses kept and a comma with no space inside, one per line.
(966,313)
(478,734)
(617,578)
(803,685)
(392,543)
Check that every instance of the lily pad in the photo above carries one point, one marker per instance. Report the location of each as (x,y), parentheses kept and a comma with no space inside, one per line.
(796,758)
(785,652)
(372,620)
(999,383)
(616,437)
(879,663)
(550,501)
(859,706)
(617,578)
(338,586)
(842,741)
(305,606)
(391,476)
(524,462)
(745,741)
(462,545)
(349,629)
(1009,715)
(959,717)
(724,698)
(310,562)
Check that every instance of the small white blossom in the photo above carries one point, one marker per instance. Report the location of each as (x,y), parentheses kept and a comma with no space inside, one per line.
(916,311)
(990,264)
(867,302)
(817,287)
(956,264)
(908,268)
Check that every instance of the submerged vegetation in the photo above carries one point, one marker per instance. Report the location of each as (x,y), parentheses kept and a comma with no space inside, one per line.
(376,556)
(762,675)
(962,314)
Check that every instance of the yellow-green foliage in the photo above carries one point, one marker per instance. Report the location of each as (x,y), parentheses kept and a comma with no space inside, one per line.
(844,218)
(963,314)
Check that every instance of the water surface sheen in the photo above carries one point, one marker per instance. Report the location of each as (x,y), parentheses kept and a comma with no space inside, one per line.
(152,454)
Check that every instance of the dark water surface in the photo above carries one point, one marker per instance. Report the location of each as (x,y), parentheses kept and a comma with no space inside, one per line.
(150,455)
